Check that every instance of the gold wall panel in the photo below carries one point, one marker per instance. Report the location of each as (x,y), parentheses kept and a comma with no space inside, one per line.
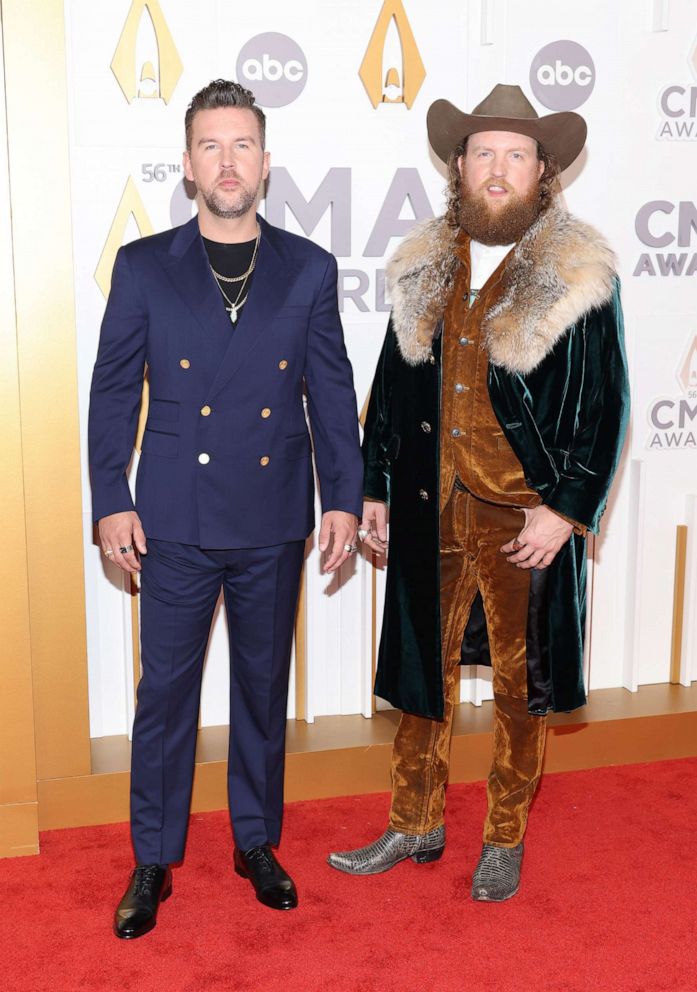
(133,590)
(374,636)
(301,651)
(18,799)
(19,830)
(37,128)
(678,602)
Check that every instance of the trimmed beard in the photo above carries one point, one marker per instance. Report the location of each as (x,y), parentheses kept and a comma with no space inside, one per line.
(502,226)
(229,211)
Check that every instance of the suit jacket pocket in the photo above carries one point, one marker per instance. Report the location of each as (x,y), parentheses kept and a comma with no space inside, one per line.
(298,446)
(163,410)
(294,310)
(160,443)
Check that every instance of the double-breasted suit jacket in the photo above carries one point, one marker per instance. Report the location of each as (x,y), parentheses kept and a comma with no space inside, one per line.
(226,453)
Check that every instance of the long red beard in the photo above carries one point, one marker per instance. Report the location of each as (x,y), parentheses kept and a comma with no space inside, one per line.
(499,226)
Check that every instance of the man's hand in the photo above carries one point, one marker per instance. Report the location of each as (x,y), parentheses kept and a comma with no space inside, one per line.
(123,530)
(341,529)
(540,539)
(374,523)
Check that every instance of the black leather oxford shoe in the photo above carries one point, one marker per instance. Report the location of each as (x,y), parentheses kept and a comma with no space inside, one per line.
(136,914)
(274,886)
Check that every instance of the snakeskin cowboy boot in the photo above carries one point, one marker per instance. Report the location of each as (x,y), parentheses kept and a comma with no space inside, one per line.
(389,850)
(497,876)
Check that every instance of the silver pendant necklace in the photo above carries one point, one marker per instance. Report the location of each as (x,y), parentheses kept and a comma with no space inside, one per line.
(236,305)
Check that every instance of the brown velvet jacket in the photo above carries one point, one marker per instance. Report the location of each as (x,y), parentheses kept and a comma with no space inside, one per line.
(478,453)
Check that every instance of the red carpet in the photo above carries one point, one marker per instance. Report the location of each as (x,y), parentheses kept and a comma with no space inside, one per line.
(608,902)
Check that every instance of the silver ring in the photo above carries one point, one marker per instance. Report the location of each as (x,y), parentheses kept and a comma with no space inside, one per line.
(124,551)
(363,534)
(351,548)
(108,554)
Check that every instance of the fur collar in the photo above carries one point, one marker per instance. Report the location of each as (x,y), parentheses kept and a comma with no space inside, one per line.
(559,271)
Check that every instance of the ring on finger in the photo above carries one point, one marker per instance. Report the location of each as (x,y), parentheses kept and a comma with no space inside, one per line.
(363,534)
(350,548)
(125,550)
(108,553)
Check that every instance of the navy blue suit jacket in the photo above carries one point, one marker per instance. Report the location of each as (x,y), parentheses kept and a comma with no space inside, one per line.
(238,476)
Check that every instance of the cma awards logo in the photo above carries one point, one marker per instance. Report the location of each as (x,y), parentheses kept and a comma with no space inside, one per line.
(146,62)
(392,70)
(678,107)
(664,224)
(363,288)
(562,75)
(672,419)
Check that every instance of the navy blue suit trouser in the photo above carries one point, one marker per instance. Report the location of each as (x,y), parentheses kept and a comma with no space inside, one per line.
(180,585)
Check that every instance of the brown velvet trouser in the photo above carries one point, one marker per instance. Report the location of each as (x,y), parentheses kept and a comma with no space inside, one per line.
(472,532)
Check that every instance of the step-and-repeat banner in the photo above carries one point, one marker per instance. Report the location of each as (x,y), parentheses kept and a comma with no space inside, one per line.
(346,85)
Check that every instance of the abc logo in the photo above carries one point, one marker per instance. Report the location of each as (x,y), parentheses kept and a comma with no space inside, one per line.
(562,75)
(273,67)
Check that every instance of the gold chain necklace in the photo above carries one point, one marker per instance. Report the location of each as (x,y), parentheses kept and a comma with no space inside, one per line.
(237,305)
(249,271)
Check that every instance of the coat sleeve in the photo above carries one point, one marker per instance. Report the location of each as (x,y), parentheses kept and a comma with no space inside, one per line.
(117,385)
(376,480)
(331,401)
(590,464)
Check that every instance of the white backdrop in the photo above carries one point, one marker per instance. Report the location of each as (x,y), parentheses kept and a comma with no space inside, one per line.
(353,170)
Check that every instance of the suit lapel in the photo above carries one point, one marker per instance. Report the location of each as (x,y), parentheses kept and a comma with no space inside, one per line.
(186,264)
(273,277)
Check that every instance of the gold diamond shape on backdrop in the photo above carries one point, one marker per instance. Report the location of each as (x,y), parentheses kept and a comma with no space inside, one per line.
(692,57)
(130,205)
(143,415)
(166,62)
(412,73)
(687,371)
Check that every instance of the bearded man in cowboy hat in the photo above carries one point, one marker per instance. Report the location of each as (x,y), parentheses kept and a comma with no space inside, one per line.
(494,429)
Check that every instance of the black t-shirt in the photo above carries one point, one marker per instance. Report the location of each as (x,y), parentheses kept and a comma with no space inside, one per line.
(230,261)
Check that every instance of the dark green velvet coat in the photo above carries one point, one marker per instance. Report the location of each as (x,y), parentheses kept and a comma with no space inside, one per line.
(559,390)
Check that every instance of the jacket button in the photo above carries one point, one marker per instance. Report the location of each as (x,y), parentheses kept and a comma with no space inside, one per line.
(423,494)
(465,341)
(205,411)
(204,458)
(264,460)
(266,412)
(456,432)
(425,427)
(283,364)
(185,363)
(460,388)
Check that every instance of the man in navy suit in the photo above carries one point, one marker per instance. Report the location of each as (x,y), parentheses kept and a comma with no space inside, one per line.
(235,321)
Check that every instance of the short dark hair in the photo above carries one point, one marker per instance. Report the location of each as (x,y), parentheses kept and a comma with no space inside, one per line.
(223,93)
(549,181)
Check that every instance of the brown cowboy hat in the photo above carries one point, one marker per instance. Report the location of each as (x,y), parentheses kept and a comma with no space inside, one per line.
(506,108)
